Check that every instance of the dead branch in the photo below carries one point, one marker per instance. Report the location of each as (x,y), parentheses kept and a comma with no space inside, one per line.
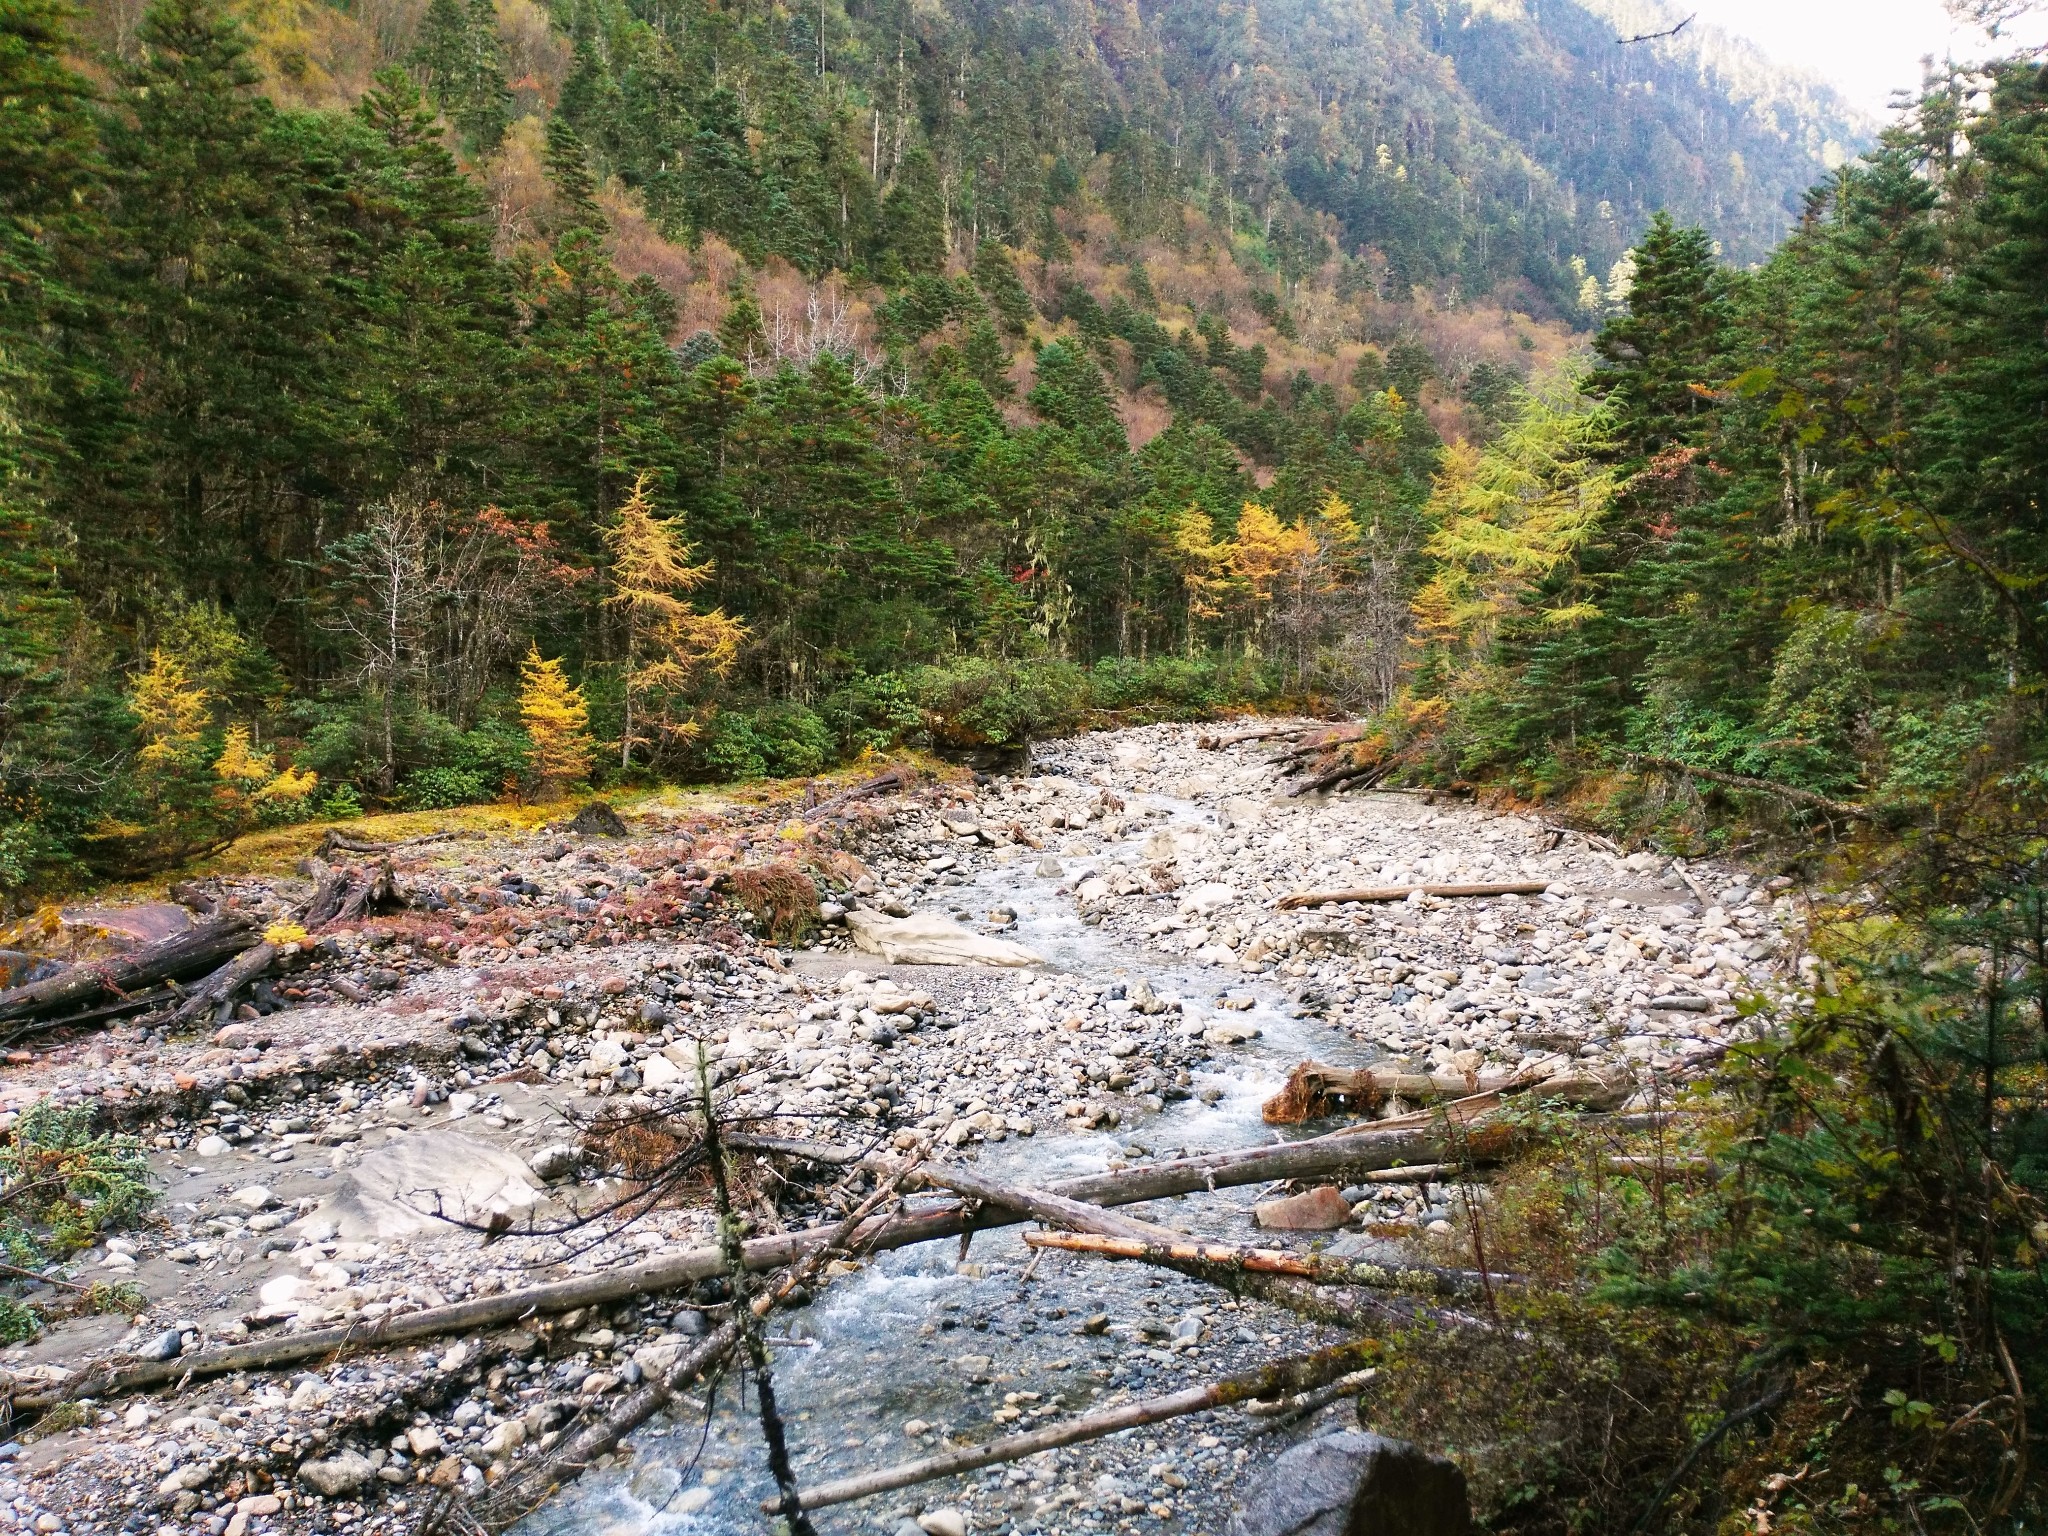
(1315,1090)
(1049,1208)
(890,778)
(1651,37)
(1418,1279)
(1381,893)
(513,1500)
(1284,1377)
(1418,1138)
(1797,796)
(1257,733)
(191,953)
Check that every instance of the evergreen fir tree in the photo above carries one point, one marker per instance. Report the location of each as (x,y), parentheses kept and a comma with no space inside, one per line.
(914,217)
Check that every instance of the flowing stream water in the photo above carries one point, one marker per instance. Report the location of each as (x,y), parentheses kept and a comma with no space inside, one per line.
(920,1334)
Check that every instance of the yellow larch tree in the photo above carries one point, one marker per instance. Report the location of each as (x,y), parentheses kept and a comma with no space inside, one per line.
(670,648)
(557,722)
(1510,518)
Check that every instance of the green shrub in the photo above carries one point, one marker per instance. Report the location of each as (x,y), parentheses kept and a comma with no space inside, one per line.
(732,748)
(436,789)
(978,702)
(62,1184)
(793,741)
(341,803)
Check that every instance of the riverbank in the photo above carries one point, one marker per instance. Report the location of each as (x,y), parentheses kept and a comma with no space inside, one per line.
(539,978)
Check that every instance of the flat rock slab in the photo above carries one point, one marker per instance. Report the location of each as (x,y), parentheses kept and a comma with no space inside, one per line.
(425,1181)
(923,939)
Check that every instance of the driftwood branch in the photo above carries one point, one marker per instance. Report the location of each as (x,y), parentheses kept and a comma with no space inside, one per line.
(1055,1210)
(1315,1090)
(1466,1128)
(1380,893)
(1257,733)
(1418,1279)
(1796,796)
(1285,1377)
(191,953)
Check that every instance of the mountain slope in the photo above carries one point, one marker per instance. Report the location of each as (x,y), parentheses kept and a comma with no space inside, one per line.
(1471,146)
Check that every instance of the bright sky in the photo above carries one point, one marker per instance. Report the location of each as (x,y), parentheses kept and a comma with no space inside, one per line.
(1866,48)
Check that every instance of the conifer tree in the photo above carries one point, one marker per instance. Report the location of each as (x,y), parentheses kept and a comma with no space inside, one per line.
(459,60)
(1662,359)
(557,722)
(669,647)
(914,217)
(741,335)
(568,163)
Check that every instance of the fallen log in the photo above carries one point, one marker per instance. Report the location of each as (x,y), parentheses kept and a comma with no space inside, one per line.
(1054,1210)
(512,1500)
(1457,1129)
(889,778)
(138,1002)
(1418,1279)
(337,895)
(1315,1090)
(338,841)
(223,984)
(1342,777)
(1381,893)
(1283,1378)
(1257,733)
(192,953)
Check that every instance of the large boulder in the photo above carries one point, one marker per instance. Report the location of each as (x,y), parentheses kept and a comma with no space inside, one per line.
(1355,1484)
(423,1182)
(923,939)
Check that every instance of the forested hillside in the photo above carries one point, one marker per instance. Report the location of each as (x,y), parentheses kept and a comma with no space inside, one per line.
(736,365)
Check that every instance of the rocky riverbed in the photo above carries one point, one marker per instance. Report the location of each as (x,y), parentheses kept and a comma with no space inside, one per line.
(447,1060)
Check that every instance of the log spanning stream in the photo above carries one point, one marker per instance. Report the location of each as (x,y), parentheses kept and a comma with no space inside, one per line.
(994,1342)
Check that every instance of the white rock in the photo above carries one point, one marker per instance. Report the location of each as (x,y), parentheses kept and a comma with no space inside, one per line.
(924,939)
(657,1071)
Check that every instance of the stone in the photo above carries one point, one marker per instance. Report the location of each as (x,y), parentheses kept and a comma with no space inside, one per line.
(212,1146)
(657,1071)
(597,819)
(425,1181)
(925,939)
(1316,1210)
(193,1475)
(337,1475)
(1356,1484)
(167,1345)
(942,1522)
(552,1164)
(254,1198)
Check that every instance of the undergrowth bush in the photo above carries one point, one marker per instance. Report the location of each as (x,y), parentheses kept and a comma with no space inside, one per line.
(1814,1302)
